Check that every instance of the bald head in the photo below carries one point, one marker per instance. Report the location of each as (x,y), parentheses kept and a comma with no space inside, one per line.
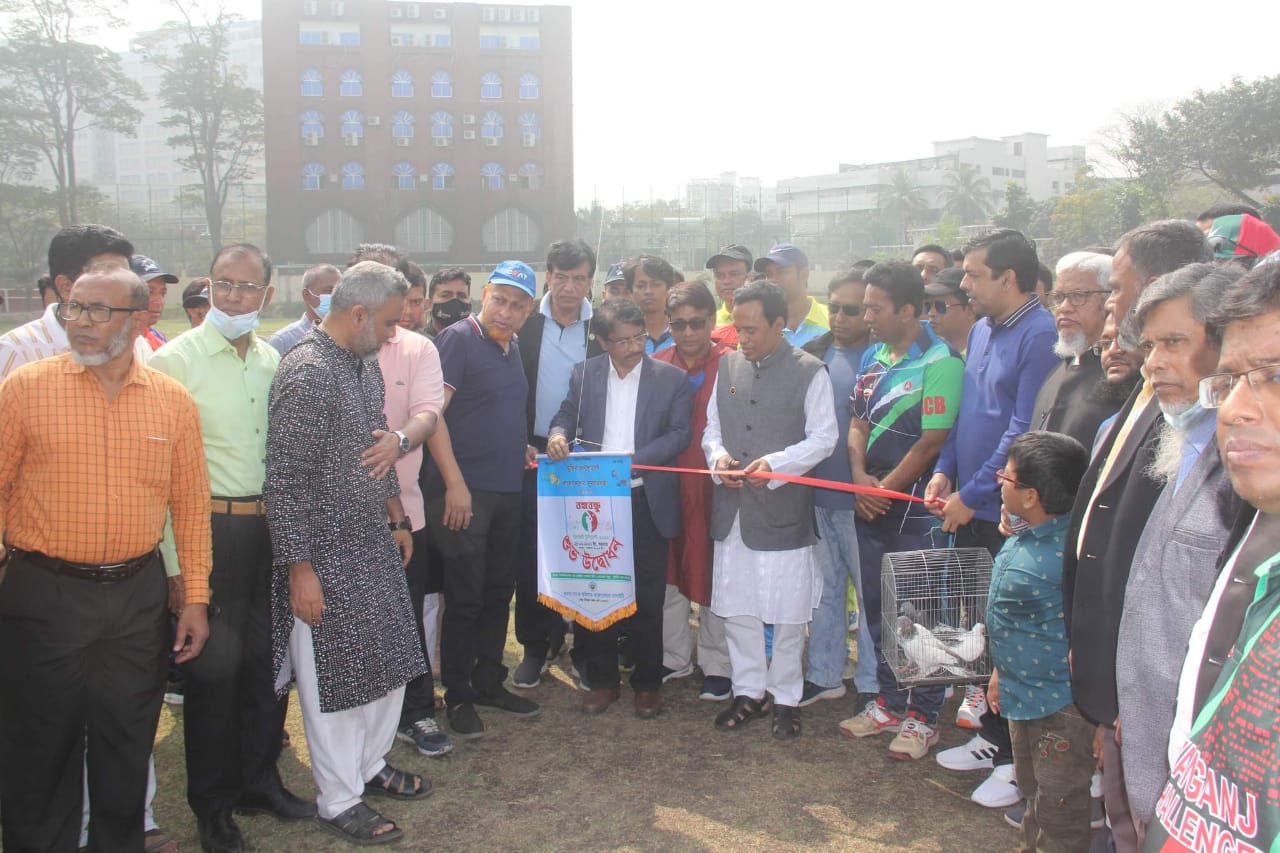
(126,290)
(106,311)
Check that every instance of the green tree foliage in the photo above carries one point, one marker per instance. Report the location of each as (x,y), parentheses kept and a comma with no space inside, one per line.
(54,88)
(966,194)
(1096,211)
(1018,211)
(902,202)
(218,119)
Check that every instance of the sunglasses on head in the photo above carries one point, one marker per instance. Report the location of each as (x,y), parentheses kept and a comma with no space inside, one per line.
(847,310)
(697,324)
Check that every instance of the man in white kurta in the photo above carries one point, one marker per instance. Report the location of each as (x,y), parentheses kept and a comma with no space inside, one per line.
(771,411)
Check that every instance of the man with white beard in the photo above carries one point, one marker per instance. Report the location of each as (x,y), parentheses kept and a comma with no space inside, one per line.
(1177,558)
(1065,403)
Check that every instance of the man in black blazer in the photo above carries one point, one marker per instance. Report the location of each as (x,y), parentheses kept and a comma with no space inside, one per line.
(625,401)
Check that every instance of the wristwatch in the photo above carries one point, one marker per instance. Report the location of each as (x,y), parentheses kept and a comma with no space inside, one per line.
(402,524)
(404,442)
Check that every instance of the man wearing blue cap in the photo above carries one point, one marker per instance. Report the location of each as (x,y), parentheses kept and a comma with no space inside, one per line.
(473,495)
(787,266)
(615,284)
(157,281)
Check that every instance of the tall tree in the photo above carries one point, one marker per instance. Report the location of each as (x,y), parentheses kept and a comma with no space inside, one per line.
(217,116)
(1018,209)
(54,88)
(966,193)
(902,202)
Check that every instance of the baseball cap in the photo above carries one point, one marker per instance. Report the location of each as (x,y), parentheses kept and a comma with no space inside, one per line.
(784,255)
(1242,235)
(947,283)
(515,274)
(147,269)
(732,252)
(194,294)
(615,274)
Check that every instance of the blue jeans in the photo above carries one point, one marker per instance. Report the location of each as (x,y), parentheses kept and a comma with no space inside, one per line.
(837,553)
(885,535)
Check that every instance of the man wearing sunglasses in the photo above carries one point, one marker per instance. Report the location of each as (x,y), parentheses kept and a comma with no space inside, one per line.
(948,310)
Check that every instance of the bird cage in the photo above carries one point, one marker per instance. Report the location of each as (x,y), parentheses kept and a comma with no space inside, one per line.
(932,607)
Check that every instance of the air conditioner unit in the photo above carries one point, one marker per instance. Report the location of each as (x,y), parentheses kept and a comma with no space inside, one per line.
(513,178)
(529,140)
(351,139)
(333,179)
(424,179)
(439,14)
(442,141)
(373,121)
(403,141)
(468,134)
(396,12)
(491,141)
(311,139)
(471,119)
(413,12)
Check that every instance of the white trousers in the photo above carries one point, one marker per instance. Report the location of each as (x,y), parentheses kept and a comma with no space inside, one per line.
(677,636)
(348,748)
(753,673)
(148,816)
(432,611)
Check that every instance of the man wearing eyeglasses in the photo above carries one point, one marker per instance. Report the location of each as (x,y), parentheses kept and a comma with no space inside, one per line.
(1227,690)
(232,718)
(317,291)
(96,448)
(948,310)
(1064,403)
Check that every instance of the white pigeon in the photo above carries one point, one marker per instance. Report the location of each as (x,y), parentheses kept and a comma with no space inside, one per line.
(970,645)
(924,649)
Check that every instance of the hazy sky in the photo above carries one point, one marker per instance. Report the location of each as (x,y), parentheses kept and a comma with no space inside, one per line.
(665,91)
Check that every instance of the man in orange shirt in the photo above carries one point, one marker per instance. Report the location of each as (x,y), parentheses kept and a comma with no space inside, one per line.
(94,448)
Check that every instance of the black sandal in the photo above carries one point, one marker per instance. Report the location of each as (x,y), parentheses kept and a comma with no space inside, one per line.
(786,722)
(357,824)
(397,785)
(743,710)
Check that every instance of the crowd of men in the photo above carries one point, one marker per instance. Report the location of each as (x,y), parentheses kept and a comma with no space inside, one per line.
(350,507)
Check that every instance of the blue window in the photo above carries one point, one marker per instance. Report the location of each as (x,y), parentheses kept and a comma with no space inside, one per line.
(443,40)
(312,84)
(530,130)
(312,127)
(402,85)
(491,125)
(491,176)
(352,85)
(402,125)
(442,175)
(529,42)
(406,177)
(491,86)
(441,85)
(441,125)
(490,42)
(530,176)
(353,176)
(310,37)
(349,39)
(529,87)
(312,176)
(352,126)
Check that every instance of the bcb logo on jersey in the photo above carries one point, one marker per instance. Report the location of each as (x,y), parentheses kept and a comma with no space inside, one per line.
(935,405)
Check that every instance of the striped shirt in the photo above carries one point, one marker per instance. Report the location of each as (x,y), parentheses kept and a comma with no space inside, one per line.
(44,337)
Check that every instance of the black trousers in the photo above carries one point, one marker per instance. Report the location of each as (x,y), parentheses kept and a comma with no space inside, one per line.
(232,719)
(600,648)
(419,694)
(479,581)
(537,626)
(995,728)
(81,659)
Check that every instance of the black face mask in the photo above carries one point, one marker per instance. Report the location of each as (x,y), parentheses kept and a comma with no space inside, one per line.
(448,313)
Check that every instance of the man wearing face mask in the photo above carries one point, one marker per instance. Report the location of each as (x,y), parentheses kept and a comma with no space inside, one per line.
(232,718)
(317,290)
(449,295)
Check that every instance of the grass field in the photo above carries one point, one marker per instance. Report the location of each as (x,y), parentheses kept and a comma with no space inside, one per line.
(568,781)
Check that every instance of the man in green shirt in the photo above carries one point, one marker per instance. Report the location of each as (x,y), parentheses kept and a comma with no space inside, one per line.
(232,719)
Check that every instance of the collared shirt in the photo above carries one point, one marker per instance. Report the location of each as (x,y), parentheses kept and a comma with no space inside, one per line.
(842,366)
(1196,440)
(562,348)
(814,325)
(1007,364)
(87,480)
(724,317)
(288,337)
(410,368)
(658,344)
(1024,622)
(621,393)
(44,337)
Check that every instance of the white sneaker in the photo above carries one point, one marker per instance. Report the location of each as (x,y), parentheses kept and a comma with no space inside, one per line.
(913,740)
(999,791)
(969,716)
(974,755)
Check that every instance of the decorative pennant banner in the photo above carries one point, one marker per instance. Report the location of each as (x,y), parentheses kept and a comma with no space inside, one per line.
(585,565)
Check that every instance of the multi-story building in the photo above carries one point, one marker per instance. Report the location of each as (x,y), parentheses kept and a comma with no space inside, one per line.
(444,128)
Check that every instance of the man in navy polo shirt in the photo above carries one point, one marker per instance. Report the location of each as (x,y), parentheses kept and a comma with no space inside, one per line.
(473,495)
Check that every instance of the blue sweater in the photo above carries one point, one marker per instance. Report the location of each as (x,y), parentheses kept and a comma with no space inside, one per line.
(1007,363)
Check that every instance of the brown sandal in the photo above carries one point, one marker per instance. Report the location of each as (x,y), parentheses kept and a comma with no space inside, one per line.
(743,710)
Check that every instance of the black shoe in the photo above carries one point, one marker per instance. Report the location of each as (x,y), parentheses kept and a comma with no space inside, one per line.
(464,721)
(281,804)
(504,700)
(813,692)
(219,834)
(626,653)
(716,688)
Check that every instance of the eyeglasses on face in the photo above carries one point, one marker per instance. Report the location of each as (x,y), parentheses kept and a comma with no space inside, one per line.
(697,324)
(939,306)
(849,310)
(1075,297)
(1104,344)
(71,311)
(1002,477)
(1263,381)
(243,288)
(633,341)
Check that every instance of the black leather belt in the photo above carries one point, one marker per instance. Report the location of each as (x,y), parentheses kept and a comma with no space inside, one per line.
(103,573)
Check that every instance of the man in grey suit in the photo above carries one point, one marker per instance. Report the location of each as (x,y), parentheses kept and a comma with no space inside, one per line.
(624,401)
(1176,561)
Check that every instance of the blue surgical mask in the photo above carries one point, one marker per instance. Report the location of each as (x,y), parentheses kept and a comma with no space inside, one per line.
(1184,420)
(323,308)
(232,327)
